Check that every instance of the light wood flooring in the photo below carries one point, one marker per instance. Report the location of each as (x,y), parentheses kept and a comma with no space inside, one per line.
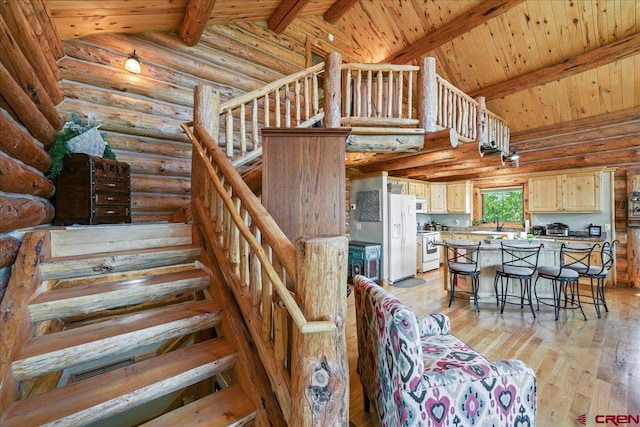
(582,367)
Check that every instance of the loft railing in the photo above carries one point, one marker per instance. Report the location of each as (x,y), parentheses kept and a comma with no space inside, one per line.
(267,276)
(371,97)
(293,101)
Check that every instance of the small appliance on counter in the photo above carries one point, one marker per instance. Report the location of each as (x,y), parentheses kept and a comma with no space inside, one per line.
(538,230)
(595,230)
(558,229)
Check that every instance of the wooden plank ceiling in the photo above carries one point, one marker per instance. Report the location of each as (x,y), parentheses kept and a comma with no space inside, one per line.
(564,74)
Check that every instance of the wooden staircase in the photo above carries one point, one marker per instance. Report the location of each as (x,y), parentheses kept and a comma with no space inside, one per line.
(122,331)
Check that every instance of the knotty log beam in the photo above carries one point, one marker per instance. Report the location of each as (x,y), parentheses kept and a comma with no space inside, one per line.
(22,31)
(577,64)
(633,235)
(486,11)
(49,32)
(195,20)
(338,10)
(19,179)
(20,145)
(8,251)
(319,363)
(25,109)
(332,91)
(20,69)
(284,15)
(21,212)
(14,319)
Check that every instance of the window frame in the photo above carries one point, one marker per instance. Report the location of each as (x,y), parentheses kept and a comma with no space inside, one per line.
(519,188)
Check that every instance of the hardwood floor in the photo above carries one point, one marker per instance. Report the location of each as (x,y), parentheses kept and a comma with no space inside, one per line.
(582,367)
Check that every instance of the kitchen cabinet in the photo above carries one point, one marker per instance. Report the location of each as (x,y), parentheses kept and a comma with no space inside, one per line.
(419,188)
(570,192)
(459,196)
(402,182)
(438,197)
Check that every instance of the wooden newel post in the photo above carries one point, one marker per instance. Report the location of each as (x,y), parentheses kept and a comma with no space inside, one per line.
(332,90)
(206,110)
(427,95)
(319,364)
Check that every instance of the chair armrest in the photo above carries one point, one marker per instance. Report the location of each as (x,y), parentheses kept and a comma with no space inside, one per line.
(433,324)
(478,371)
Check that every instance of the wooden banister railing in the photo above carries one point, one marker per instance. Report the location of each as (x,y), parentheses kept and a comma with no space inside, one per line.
(263,268)
(456,110)
(293,101)
(378,94)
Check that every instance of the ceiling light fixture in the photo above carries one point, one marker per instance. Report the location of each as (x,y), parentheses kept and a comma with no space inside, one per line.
(133,64)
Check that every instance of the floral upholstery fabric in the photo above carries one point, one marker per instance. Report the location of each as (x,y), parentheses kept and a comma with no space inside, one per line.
(417,374)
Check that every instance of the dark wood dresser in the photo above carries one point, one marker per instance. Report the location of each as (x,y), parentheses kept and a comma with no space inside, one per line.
(93,190)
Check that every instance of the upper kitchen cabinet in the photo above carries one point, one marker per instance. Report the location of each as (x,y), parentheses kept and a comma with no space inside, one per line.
(419,188)
(459,197)
(438,197)
(403,183)
(568,192)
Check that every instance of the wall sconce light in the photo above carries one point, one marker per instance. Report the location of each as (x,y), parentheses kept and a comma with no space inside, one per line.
(133,64)
(511,158)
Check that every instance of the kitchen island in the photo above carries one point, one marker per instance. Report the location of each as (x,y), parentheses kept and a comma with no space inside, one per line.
(491,256)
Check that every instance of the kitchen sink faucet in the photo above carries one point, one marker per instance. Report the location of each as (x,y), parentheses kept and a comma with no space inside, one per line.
(498,226)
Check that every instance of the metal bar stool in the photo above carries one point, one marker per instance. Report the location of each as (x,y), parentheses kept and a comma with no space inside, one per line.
(564,278)
(462,260)
(519,262)
(598,274)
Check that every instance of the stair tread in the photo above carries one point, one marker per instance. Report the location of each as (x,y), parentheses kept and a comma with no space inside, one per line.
(223,408)
(43,354)
(117,390)
(79,265)
(88,298)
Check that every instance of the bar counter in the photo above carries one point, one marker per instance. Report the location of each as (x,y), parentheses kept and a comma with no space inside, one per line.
(491,256)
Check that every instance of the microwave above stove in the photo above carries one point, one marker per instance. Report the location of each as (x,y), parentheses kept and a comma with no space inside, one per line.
(421,206)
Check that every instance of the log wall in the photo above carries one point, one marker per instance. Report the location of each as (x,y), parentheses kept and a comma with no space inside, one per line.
(29,77)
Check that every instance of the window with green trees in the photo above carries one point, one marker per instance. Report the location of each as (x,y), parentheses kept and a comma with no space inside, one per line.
(505,203)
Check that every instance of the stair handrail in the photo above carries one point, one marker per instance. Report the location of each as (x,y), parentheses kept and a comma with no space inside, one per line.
(270,231)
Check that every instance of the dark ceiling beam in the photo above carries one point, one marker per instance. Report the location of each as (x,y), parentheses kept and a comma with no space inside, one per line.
(576,64)
(195,20)
(486,11)
(338,10)
(287,11)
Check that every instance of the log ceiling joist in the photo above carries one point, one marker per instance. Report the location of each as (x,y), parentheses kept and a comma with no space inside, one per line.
(577,64)
(338,10)
(196,17)
(484,12)
(594,141)
(286,12)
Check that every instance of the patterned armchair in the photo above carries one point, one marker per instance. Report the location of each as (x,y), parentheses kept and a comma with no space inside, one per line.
(417,374)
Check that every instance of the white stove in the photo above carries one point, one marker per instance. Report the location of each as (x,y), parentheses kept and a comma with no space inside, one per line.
(428,251)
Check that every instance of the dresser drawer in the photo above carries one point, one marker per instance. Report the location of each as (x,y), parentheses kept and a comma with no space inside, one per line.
(111,211)
(104,185)
(111,199)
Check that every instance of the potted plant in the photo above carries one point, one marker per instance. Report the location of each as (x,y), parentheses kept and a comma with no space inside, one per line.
(74,137)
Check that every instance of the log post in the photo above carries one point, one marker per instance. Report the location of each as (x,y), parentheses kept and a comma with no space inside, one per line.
(633,235)
(332,90)
(427,95)
(206,110)
(483,122)
(319,368)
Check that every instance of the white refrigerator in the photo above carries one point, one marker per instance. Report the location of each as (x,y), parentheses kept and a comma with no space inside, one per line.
(401,256)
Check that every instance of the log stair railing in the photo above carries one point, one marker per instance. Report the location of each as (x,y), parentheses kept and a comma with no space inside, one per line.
(292,297)
(387,107)
(116,323)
